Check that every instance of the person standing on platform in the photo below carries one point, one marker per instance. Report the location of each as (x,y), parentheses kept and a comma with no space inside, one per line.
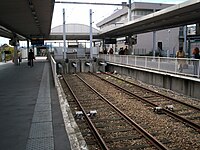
(196,55)
(31,56)
(19,56)
(105,51)
(126,50)
(180,54)
(111,51)
(121,51)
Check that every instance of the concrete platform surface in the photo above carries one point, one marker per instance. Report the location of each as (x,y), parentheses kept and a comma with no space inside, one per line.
(30,113)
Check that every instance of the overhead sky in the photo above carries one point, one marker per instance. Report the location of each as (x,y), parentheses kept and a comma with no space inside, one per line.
(78,13)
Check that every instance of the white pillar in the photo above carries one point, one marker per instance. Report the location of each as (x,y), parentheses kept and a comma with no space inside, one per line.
(154,40)
(91,52)
(130,44)
(64,35)
(185,38)
(154,43)
(129,11)
(168,51)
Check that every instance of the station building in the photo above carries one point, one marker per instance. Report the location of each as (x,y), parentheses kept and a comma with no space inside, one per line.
(167,41)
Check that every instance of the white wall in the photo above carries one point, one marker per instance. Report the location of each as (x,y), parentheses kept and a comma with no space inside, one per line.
(168,37)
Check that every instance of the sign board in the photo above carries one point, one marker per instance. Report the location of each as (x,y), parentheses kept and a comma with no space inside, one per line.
(110,41)
(37,42)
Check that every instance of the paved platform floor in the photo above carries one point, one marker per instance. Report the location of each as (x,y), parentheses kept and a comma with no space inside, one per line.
(30,113)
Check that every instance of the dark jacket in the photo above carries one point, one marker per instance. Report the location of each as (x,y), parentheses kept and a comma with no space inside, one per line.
(196,56)
(31,56)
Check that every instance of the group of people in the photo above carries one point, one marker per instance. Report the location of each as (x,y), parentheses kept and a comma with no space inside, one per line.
(182,63)
(31,57)
(122,51)
(108,52)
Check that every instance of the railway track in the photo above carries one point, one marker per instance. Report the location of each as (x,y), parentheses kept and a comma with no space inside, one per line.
(177,109)
(102,122)
(174,132)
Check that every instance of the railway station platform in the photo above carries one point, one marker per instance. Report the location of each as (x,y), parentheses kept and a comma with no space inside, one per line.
(30,114)
(159,71)
(34,113)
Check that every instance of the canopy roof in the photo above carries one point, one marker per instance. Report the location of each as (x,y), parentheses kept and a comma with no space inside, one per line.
(74,31)
(28,18)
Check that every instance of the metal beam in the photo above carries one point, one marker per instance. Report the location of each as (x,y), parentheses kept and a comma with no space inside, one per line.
(122,4)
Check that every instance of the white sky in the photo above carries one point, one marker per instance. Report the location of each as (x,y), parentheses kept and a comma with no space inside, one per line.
(76,13)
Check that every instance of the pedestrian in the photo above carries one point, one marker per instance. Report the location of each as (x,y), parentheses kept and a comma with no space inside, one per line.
(59,68)
(19,57)
(105,51)
(180,54)
(126,50)
(31,56)
(196,55)
(111,51)
(121,51)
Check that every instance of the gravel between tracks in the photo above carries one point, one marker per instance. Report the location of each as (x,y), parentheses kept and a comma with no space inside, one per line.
(167,92)
(182,137)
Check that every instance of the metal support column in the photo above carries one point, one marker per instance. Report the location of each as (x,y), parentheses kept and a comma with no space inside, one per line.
(185,39)
(129,11)
(28,47)
(15,44)
(15,55)
(154,43)
(65,68)
(64,35)
(130,44)
(169,47)
(197,28)
(91,51)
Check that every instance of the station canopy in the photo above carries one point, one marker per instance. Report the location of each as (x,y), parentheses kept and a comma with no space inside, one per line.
(26,19)
(73,31)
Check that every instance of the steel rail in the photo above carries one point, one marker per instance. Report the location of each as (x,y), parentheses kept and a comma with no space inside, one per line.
(170,98)
(170,113)
(142,131)
(102,143)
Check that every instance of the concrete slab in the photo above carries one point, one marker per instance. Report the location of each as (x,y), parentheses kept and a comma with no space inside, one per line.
(20,97)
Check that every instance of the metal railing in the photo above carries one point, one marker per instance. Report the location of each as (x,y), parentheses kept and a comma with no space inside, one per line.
(182,66)
(53,67)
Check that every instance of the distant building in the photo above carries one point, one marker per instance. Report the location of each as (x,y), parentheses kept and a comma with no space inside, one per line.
(167,41)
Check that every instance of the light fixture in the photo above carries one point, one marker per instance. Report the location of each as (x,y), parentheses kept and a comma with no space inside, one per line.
(33,12)
(31,6)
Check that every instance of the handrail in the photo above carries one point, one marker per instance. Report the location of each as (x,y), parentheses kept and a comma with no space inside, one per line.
(190,67)
(53,67)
